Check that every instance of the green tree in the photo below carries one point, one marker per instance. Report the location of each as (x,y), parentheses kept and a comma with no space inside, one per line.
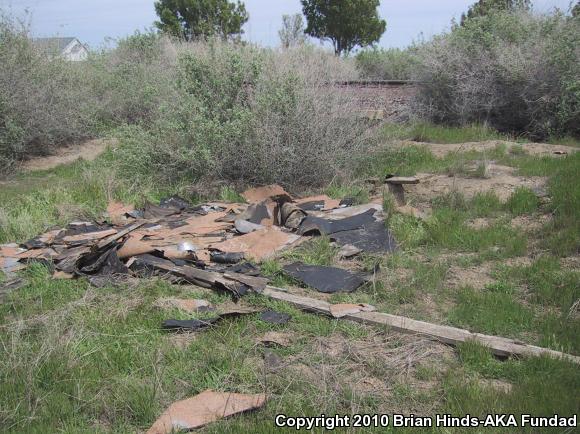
(484,7)
(576,10)
(346,23)
(292,32)
(192,19)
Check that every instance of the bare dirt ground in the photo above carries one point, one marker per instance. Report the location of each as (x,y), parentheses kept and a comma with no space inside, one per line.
(541,149)
(88,151)
(499,179)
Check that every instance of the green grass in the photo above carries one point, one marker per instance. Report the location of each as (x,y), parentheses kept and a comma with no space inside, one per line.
(412,159)
(522,201)
(490,312)
(528,302)
(78,359)
(447,228)
(563,235)
(566,141)
(546,281)
(31,204)
(73,357)
(425,132)
(529,381)
(229,194)
(359,194)
(485,204)
(317,251)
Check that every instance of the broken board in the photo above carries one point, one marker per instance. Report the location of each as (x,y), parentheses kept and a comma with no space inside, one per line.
(446,334)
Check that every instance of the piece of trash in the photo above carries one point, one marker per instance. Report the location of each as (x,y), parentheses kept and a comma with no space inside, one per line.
(258,245)
(352,211)
(245,227)
(273,338)
(324,279)
(226,258)
(186,246)
(273,317)
(187,324)
(340,310)
(259,214)
(90,236)
(202,409)
(191,305)
(134,247)
(35,243)
(10,265)
(222,311)
(119,212)
(245,268)
(346,202)
(348,251)
(231,309)
(258,284)
(102,262)
(316,225)
(178,255)
(372,238)
(174,202)
(317,203)
(151,211)
(260,194)
(291,216)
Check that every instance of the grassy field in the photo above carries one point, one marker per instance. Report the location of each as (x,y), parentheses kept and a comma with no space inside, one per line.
(76,359)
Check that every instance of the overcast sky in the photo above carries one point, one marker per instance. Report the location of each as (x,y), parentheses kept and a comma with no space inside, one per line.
(94,20)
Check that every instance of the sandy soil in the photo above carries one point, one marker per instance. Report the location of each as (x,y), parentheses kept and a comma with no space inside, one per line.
(441,150)
(88,151)
(501,180)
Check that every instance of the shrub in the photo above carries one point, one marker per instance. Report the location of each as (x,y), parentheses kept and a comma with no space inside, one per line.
(515,71)
(251,115)
(49,102)
(385,64)
(185,111)
(40,99)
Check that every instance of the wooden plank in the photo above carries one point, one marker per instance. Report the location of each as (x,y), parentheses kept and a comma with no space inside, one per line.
(446,334)
(402,180)
(377,82)
(89,236)
(120,234)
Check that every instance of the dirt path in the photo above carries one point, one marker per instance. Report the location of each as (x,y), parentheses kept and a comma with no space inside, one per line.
(88,151)
(542,149)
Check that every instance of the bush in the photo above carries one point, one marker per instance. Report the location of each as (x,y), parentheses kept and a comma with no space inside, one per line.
(515,71)
(39,99)
(132,83)
(385,64)
(250,115)
(49,102)
(185,112)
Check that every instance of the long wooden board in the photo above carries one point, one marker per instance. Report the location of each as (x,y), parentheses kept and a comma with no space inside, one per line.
(449,335)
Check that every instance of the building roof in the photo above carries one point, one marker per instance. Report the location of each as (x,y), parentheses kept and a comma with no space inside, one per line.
(52,45)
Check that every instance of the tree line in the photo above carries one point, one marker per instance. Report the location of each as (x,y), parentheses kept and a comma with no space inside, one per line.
(346,24)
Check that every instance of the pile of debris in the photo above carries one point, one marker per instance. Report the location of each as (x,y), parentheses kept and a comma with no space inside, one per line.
(215,245)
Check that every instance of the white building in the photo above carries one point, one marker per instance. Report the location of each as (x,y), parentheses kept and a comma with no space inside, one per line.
(67,48)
